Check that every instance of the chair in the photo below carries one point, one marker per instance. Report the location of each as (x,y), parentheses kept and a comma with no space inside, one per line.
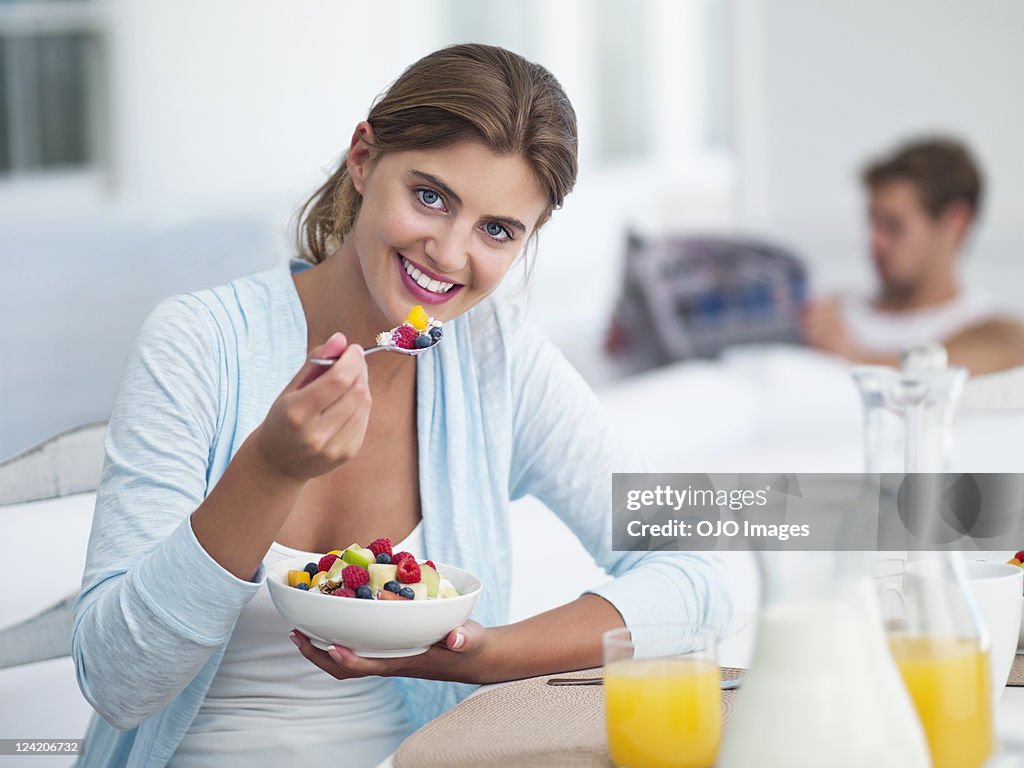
(69,463)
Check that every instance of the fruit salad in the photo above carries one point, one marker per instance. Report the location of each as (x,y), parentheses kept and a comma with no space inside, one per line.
(419,331)
(373,573)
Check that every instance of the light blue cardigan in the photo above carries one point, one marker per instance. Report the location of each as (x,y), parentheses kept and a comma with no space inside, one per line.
(500,414)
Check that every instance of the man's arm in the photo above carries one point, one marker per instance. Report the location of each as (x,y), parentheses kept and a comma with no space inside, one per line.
(989,346)
(986,347)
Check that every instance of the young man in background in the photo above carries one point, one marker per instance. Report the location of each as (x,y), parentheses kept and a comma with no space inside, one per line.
(923,203)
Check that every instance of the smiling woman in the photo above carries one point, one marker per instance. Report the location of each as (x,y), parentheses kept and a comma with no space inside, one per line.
(479,93)
(229,450)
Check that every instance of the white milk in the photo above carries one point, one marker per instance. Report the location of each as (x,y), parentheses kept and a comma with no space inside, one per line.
(822,690)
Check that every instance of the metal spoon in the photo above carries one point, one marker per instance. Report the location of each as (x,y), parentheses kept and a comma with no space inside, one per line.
(725,684)
(328,361)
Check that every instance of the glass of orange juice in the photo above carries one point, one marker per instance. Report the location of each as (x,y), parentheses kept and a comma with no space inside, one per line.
(663,698)
(948,680)
(941,647)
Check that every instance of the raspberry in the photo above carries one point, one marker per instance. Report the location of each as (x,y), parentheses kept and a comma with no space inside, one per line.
(430,563)
(404,336)
(354,577)
(380,545)
(401,556)
(326,562)
(344,592)
(408,570)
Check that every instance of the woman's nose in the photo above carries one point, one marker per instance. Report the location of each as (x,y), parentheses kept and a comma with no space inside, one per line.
(448,253)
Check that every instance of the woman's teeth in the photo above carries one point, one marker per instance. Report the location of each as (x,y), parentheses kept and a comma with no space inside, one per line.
(434,286)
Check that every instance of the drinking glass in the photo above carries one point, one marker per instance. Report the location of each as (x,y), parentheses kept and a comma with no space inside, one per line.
(940,645)
(663,700)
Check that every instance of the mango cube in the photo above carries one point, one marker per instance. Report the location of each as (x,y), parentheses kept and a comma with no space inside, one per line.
(418,318)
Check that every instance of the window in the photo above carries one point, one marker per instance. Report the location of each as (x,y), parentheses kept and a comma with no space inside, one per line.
(50,85)
(650,79)
(622,79)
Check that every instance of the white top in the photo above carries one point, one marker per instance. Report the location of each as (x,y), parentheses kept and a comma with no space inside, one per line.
(268,705)
(877,331)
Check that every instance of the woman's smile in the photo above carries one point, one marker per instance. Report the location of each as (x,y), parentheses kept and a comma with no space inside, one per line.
(424,285)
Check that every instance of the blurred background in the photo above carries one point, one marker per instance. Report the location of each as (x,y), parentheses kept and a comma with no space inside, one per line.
(148,148)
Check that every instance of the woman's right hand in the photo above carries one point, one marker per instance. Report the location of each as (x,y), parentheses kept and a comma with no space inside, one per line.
(319,420)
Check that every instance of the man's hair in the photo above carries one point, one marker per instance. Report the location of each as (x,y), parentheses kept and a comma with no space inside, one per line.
(942,169)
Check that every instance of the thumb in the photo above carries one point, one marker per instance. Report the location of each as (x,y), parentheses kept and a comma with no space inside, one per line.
(468,637)
(333,347)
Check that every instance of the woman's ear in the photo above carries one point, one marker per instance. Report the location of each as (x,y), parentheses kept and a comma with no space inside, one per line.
(360,155)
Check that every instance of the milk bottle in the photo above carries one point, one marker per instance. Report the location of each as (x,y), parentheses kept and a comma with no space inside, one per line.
(822,688)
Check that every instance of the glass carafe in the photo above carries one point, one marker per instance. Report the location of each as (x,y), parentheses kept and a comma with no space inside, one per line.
(935,632)
(941,647)
(908,413)
(822,688)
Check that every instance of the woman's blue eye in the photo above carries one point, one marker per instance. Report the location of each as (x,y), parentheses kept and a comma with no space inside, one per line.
(496,230)
(430,198)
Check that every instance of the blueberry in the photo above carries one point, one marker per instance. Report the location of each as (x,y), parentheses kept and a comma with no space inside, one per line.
(303,586)
(436,333)
(384,558)
(423,341)
(364,593)
(407,593)
(312,569)
(393,586)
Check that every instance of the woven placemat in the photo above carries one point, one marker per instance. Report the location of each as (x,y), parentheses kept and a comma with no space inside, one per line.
(1017,672)
(526,724)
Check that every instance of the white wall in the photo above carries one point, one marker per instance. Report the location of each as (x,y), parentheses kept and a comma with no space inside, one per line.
(823,86)
(236,104)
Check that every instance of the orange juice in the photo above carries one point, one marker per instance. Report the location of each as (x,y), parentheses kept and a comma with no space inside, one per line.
(948,681)
(663,713)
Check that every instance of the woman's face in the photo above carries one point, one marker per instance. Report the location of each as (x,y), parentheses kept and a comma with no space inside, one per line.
(440,227)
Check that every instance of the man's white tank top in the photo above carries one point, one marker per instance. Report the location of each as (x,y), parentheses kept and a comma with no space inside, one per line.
(892,332)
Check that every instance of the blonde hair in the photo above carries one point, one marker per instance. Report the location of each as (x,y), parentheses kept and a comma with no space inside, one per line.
(471,91)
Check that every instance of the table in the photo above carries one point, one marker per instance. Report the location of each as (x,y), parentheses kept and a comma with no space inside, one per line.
(1009,715)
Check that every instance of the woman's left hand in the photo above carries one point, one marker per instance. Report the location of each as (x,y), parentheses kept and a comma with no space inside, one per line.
(458,658)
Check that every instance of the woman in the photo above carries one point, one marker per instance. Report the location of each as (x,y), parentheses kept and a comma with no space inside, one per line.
(221,458)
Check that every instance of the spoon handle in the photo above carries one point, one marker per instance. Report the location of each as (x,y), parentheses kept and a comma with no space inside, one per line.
(329,361)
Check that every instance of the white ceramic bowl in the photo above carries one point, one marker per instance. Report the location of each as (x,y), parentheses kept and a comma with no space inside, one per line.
(372,628)
(1020,639)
